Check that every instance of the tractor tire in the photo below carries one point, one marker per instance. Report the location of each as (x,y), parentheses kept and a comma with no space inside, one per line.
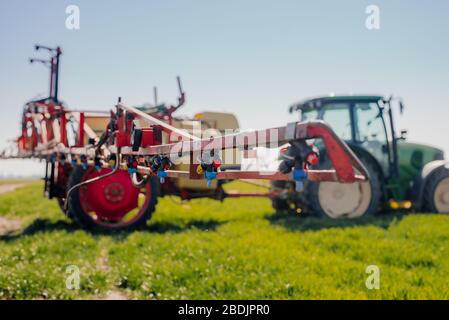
(78,214)
(436,192)
(288,203)
(333,200)
(279,205)
(61,206)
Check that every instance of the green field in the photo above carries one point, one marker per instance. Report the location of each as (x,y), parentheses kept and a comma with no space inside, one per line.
(237,249)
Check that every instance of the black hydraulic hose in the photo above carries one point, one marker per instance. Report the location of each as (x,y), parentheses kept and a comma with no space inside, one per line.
(104,137)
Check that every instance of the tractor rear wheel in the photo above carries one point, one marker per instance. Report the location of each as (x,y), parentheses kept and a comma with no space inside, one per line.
(343,200)
(279,204)
(112,203)
(436,192)
(286,200)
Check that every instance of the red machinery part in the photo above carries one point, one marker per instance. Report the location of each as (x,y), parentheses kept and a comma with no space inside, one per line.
(110,198)
(342,158)
(149,137)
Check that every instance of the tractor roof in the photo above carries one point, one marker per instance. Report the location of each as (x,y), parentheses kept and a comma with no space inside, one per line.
(317,102)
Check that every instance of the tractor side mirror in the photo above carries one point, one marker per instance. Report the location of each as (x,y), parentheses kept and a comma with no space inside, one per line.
(403,135)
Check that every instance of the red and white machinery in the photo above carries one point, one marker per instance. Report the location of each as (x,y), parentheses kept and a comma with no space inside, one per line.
(112,179)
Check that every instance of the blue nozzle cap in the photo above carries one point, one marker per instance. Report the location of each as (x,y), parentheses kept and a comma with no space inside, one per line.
(210,175)
(299,174)
(162,175)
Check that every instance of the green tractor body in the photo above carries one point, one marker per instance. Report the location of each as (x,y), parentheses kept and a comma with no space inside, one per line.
(403,175)
(412,159)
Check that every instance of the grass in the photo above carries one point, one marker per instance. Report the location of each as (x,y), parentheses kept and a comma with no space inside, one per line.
(13,181)
(237,249)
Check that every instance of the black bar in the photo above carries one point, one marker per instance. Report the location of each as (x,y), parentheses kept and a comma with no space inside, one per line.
(227,309)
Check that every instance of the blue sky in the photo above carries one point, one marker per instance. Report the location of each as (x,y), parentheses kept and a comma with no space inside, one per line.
(252,58)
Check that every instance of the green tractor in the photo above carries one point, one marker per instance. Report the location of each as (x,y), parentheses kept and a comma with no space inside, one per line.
(403,175)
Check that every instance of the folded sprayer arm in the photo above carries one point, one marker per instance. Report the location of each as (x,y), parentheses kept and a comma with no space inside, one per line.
(144,154)
(344,162)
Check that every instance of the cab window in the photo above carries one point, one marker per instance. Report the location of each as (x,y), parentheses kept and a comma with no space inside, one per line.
(370,131)
(308,115)
(337,115)
(369,125)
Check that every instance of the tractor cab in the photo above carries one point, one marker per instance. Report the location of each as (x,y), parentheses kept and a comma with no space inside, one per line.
(359,120)
(400,171)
